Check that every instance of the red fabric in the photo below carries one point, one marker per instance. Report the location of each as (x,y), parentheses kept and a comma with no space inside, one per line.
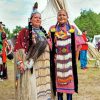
(3,35)
(22,41)
(4,56)
(84,46)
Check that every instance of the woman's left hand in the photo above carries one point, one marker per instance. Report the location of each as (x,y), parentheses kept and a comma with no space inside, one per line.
(50,43)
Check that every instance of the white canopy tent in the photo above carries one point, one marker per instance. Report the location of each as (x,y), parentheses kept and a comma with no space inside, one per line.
(96,39)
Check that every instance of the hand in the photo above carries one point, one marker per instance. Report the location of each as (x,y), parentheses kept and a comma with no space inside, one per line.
(29,63)
(20,66)
(50,43)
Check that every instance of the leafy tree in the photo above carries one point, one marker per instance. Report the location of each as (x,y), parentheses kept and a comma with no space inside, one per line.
(16,30)
(14,33)
(89,21)
(7,31)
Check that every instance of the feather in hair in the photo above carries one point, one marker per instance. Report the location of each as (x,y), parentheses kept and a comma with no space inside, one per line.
(35,6)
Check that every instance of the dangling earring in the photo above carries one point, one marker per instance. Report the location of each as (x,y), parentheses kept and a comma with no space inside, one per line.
(31,23)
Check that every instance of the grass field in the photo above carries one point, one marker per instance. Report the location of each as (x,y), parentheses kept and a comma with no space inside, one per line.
(7,86)
(89,84)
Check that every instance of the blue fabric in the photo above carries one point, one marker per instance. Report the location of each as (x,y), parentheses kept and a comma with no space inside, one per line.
(83,58)
(40,35)
(69,96)
(60,96)
(67,27)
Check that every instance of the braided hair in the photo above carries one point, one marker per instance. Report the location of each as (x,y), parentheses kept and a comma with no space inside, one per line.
(30,34)
(44,31)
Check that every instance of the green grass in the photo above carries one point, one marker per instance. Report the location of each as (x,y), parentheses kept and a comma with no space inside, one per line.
(89,83)
(7,86)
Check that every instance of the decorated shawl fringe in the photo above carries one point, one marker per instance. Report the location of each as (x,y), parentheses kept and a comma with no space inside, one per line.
(36,86)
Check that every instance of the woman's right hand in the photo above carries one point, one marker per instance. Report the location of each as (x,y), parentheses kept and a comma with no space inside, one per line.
(20,66)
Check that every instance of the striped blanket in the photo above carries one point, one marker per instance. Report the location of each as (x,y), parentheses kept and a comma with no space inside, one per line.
(64,72)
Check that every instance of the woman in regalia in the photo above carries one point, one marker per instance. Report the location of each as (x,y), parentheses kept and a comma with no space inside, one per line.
(63,57)
(32,61)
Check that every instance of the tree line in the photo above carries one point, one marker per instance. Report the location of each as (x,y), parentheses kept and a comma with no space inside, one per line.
(88,20)
(13,33)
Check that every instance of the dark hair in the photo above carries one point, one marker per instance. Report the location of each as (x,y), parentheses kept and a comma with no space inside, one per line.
(34,14)
(44,31)
(30,34)
(84,31)
(30,39)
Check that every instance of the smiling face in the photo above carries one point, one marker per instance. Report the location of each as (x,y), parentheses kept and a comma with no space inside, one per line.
(62,17)
(36,20)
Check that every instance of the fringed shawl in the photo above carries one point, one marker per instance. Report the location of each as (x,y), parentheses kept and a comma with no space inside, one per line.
(36,86)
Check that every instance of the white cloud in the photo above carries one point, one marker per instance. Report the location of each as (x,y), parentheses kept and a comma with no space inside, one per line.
(79,5)
(16,12)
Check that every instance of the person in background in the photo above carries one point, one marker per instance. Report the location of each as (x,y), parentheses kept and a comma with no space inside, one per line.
(1,66)
(83,51)
(62,57)
(3,54)
(98,45)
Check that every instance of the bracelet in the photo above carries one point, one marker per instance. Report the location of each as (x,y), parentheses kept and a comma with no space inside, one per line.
(19,62)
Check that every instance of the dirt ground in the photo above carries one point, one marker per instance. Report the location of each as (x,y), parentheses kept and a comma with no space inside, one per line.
(89,84)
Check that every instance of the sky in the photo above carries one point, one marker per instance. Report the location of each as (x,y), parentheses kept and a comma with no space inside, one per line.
(17,12)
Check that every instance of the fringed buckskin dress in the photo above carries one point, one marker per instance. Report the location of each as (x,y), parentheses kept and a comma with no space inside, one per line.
(32,84)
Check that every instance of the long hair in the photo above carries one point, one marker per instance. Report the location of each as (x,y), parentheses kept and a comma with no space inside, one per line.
(35,50)
(30,34)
